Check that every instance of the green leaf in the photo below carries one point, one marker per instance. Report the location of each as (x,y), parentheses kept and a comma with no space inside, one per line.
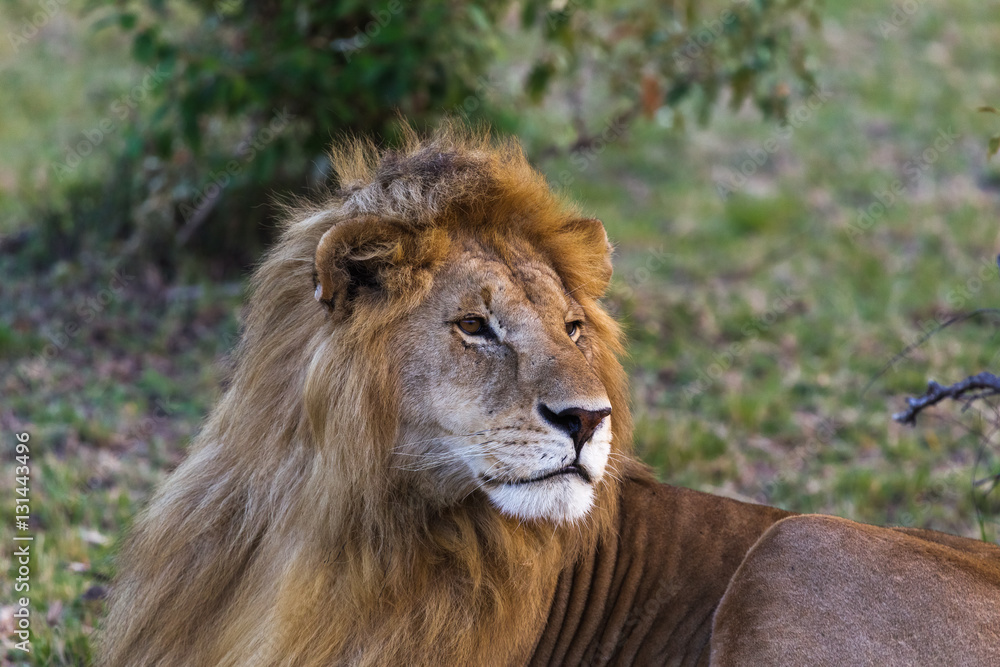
(479,18)
(529,12)
(144,46)
(678,91)
(104,22)
(556,23)
(994,145)
(160,113)
(538,79)
(742,83)
(126,20)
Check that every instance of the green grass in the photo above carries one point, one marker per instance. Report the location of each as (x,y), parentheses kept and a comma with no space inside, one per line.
(758,324)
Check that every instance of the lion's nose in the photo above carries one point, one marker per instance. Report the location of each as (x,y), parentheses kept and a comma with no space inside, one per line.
(577,423)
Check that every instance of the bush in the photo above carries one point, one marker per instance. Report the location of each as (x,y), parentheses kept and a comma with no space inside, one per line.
(251,93)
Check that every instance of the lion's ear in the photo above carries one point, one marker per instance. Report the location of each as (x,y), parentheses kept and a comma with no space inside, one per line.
(352,260)
(588,243)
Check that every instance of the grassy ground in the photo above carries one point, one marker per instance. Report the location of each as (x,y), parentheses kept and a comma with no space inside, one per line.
(765,313)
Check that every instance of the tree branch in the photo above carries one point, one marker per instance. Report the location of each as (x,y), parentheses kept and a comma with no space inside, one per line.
(988,383)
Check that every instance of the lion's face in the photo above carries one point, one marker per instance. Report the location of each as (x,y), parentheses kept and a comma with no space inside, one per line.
(498,389)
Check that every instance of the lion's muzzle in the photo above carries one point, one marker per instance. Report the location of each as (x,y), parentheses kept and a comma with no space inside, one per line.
(578,423)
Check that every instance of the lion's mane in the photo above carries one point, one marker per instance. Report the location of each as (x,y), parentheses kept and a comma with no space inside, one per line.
(287,536)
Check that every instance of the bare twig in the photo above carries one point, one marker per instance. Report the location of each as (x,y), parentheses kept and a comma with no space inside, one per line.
(200,216)
(987,383)
(925,337)
(201,213)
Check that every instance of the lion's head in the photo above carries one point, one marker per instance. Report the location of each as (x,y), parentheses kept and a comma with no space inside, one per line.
(452,267)
(494,362)
(426,399)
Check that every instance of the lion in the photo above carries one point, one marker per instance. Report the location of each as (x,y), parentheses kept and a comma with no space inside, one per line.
(424,457)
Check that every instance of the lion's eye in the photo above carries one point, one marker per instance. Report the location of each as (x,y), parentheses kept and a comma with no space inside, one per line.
(573,329)
(474,326)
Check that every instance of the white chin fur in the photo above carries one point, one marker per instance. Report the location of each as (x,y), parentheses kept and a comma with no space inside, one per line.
(563,499)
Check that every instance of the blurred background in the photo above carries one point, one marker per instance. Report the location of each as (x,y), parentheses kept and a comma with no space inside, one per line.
(800,195)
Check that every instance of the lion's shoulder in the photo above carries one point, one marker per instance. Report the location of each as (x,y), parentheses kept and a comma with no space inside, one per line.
(653,585)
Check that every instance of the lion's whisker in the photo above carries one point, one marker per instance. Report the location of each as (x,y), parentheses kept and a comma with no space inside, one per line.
(447,437)
(580,286)
(438,459)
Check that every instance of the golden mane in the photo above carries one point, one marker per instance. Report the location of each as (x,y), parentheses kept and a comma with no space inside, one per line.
(287,531)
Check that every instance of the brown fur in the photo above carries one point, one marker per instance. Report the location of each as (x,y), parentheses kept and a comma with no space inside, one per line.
(296,532)
(821,590)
